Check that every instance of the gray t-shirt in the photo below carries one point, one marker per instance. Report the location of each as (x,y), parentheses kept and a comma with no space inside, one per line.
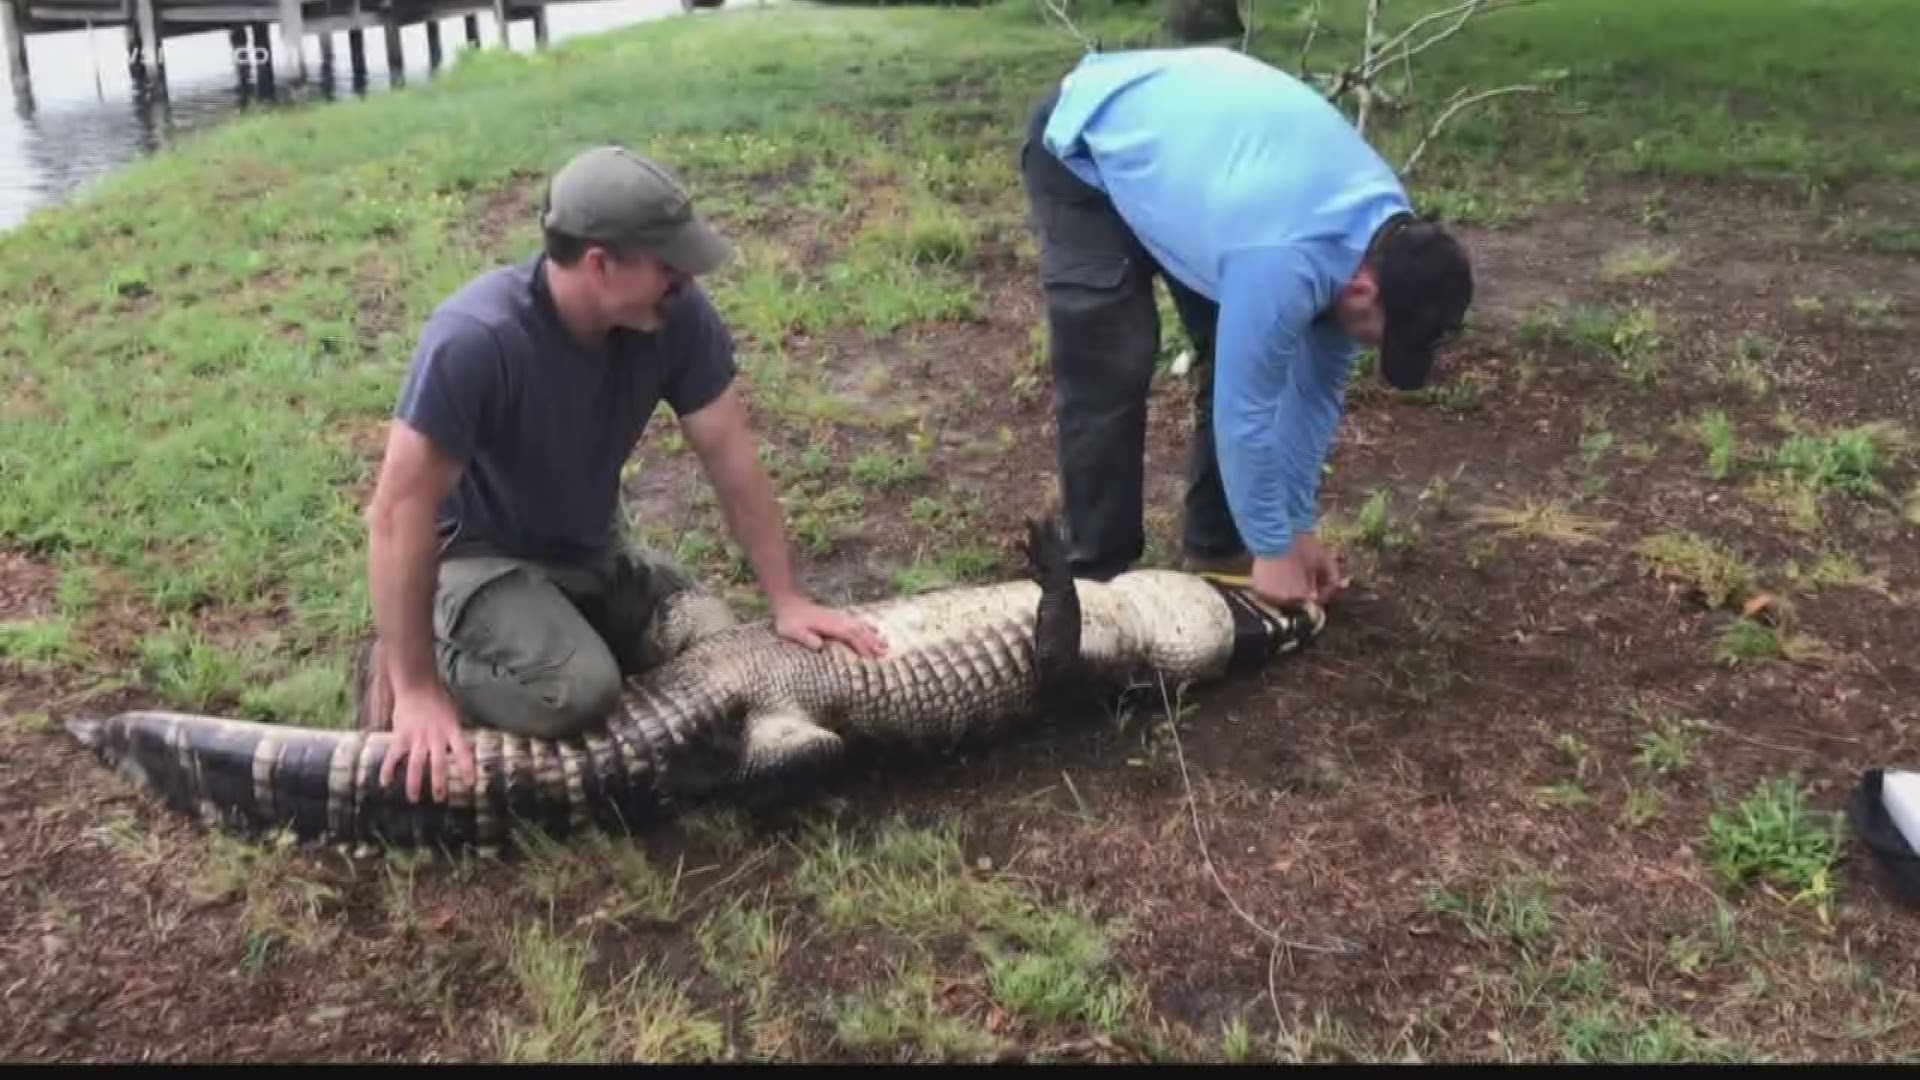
(541,424)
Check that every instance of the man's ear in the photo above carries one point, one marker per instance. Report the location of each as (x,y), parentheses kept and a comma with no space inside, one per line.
(1361,288)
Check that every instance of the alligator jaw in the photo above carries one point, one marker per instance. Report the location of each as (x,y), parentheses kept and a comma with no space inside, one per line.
(86,730)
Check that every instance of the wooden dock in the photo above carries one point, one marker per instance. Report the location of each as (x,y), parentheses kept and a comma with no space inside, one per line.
(148,23)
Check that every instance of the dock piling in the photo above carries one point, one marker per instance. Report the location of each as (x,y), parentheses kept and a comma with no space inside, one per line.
(16,35)
(155,74)
(291,60)
(396,59)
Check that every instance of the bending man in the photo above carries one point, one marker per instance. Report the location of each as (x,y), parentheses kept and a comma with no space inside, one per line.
(1286,244)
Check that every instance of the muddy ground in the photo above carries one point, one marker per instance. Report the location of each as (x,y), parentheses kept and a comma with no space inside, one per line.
(1471,720)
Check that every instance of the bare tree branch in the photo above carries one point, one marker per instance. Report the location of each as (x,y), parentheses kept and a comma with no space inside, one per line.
(1246,24)
(1374,58)
(1409,53)
(1366,65)
(1465,10)
(1061,14)
(1313,30)
(1458,104)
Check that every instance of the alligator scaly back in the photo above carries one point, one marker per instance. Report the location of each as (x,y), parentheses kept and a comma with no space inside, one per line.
(734,712)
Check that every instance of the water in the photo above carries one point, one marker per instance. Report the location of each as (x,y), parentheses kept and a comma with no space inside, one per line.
(88,117)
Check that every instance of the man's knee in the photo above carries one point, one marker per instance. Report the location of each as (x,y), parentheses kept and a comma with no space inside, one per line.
(516,654)
(582,694)
(546,703)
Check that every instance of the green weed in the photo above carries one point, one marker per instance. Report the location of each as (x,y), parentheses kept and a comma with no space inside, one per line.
(1795,501)
(1608,1033)
(1772,837)
(36,642)
(901,1020)
(1751,366)
(1848,460)
(1053,965)
(1516,909)
(642,1017)
(1669,747)
(1377,527)
(1235,1041)
(1871,312)
(1641,807)
(1718,574)
(1549,520)
(1838,569)
(1638,260)
(1746,640)
(1455,396)
(1716,434)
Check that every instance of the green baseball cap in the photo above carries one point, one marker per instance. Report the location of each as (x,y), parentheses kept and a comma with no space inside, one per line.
(614,196)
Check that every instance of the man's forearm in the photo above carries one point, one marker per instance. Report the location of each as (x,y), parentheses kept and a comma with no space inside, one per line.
(755,519)
(401,578)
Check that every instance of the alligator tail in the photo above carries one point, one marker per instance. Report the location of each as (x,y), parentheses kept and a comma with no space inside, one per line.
(254,778)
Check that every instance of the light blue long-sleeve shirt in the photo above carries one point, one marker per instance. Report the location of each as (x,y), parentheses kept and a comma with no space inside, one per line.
(1251,188)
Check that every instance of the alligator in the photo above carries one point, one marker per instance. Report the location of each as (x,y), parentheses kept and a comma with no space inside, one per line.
(733,711)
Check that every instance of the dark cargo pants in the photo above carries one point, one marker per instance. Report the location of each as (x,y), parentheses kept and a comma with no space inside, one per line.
(539,649)
(1103,335)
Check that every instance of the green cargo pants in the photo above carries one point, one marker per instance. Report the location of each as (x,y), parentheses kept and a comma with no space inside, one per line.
(540,650)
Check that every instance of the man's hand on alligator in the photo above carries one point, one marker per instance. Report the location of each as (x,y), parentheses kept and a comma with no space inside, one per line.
(811,624)
(426,734)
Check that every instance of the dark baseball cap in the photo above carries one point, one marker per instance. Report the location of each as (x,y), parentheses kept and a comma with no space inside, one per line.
(1425,287)
(614,196)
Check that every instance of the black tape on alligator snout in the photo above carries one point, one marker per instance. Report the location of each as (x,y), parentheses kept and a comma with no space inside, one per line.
(1258,632)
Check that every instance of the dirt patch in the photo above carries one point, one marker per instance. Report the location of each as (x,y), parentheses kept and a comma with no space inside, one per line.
(503,209)
(26,587)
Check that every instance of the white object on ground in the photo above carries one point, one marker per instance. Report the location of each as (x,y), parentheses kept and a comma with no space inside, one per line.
(1900,791)
(1182,362)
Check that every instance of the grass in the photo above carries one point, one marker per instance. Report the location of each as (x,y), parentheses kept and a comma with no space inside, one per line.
(1848,461)
(1668,747)
(1636,261)
(1772,838)
(1550,520)
(642,1017)
(201,352)
(1514,909)
(1708,567)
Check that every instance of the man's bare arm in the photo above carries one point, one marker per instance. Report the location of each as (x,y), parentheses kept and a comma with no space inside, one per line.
(402,571)
(721,439)
(719,436)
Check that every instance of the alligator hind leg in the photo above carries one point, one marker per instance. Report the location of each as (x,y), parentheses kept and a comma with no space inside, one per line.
(1064,680)
(686,618)
(781,743)
(652,610)
(784,756)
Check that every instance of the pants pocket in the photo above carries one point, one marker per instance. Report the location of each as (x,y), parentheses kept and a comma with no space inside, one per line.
(460,580)
(1063,263)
